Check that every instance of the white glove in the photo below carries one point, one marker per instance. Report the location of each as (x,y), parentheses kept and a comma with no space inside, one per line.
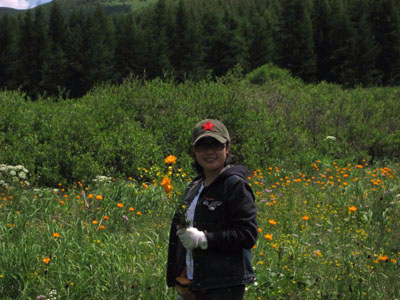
(192,238)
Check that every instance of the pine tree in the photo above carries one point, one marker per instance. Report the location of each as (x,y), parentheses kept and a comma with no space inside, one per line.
(157,45)
(341,60)
(386,24)
(8,52)
(261,42)
(129,54)
(55,68)
(186,51)
(295,44)
(366,47)
(323,45)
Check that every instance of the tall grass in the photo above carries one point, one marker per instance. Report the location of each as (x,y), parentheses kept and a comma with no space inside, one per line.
(328,233)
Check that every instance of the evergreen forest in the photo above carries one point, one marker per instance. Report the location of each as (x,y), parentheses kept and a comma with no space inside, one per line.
(60,53)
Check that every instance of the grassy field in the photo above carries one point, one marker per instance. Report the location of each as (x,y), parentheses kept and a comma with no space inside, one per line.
(330,233)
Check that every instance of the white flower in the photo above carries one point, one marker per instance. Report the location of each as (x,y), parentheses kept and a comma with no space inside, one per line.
(330,137)
(3,168)
(22,175)
(15,179)
(26,183)
(13,173)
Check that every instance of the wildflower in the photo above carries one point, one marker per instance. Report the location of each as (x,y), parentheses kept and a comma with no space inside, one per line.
(90,196)
(41,297)
(305,218)
(99,197)
(46,260)
(131,208)
(145,185)
(274,245)
(318,253)
(383,257)
(56,235)
(259,229)
(352,208)
(120,205)
(125,218)
(272,222)
(95,222)
(165,181)
(106,218)
(393,260)
(171,159)
(168,188)
(268,236)
(102,227)
(139,213)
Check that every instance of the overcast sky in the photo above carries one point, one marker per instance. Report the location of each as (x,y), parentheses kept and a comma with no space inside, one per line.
(22,4)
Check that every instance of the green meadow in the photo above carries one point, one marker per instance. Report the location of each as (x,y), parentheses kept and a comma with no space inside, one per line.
(89,186)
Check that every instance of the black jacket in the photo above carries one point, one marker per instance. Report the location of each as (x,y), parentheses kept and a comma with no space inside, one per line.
(226,212)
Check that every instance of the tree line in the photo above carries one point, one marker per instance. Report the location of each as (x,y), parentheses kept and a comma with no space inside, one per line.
(350,42)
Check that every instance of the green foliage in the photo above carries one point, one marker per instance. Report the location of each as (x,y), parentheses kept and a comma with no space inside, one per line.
(269,72)
(114,130)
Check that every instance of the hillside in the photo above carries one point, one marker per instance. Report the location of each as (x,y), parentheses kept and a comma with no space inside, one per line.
(110,6)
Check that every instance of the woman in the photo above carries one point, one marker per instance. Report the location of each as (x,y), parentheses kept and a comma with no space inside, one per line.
(211,258)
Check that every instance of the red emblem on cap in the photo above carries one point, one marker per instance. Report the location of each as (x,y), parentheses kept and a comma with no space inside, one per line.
(208,126)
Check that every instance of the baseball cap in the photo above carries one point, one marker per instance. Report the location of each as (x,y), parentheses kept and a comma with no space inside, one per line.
(211,128)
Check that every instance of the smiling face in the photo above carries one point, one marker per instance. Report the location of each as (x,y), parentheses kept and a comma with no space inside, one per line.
(211,155)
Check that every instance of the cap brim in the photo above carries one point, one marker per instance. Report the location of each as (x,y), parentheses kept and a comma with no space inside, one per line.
(219,138)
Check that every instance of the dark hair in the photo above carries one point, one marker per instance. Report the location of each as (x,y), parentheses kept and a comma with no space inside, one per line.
(230,160)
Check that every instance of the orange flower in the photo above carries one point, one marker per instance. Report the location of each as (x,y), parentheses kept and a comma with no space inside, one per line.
(171,159)
(383,257)
(56,235)
(106,218)
(317,253)
(352,208)
(268,236)
(393,260)
(120,205)
(138,213)
(131,208)
(145,185)
(102,227)
(272,222)
(165,181)
(99,197)
(46,260)
(274,245)
(95,222)
(168,188)
(62,202)
(259,229)
(90,196)
(305,218)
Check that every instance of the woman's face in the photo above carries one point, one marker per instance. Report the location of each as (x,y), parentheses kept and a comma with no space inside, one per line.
(211,154)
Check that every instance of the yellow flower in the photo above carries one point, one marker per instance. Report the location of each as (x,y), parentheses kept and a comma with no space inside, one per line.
(56,235)
(90,196)
(171,159)
(99,197)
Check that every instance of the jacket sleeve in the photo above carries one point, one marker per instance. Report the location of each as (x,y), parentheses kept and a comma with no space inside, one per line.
(241,214)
